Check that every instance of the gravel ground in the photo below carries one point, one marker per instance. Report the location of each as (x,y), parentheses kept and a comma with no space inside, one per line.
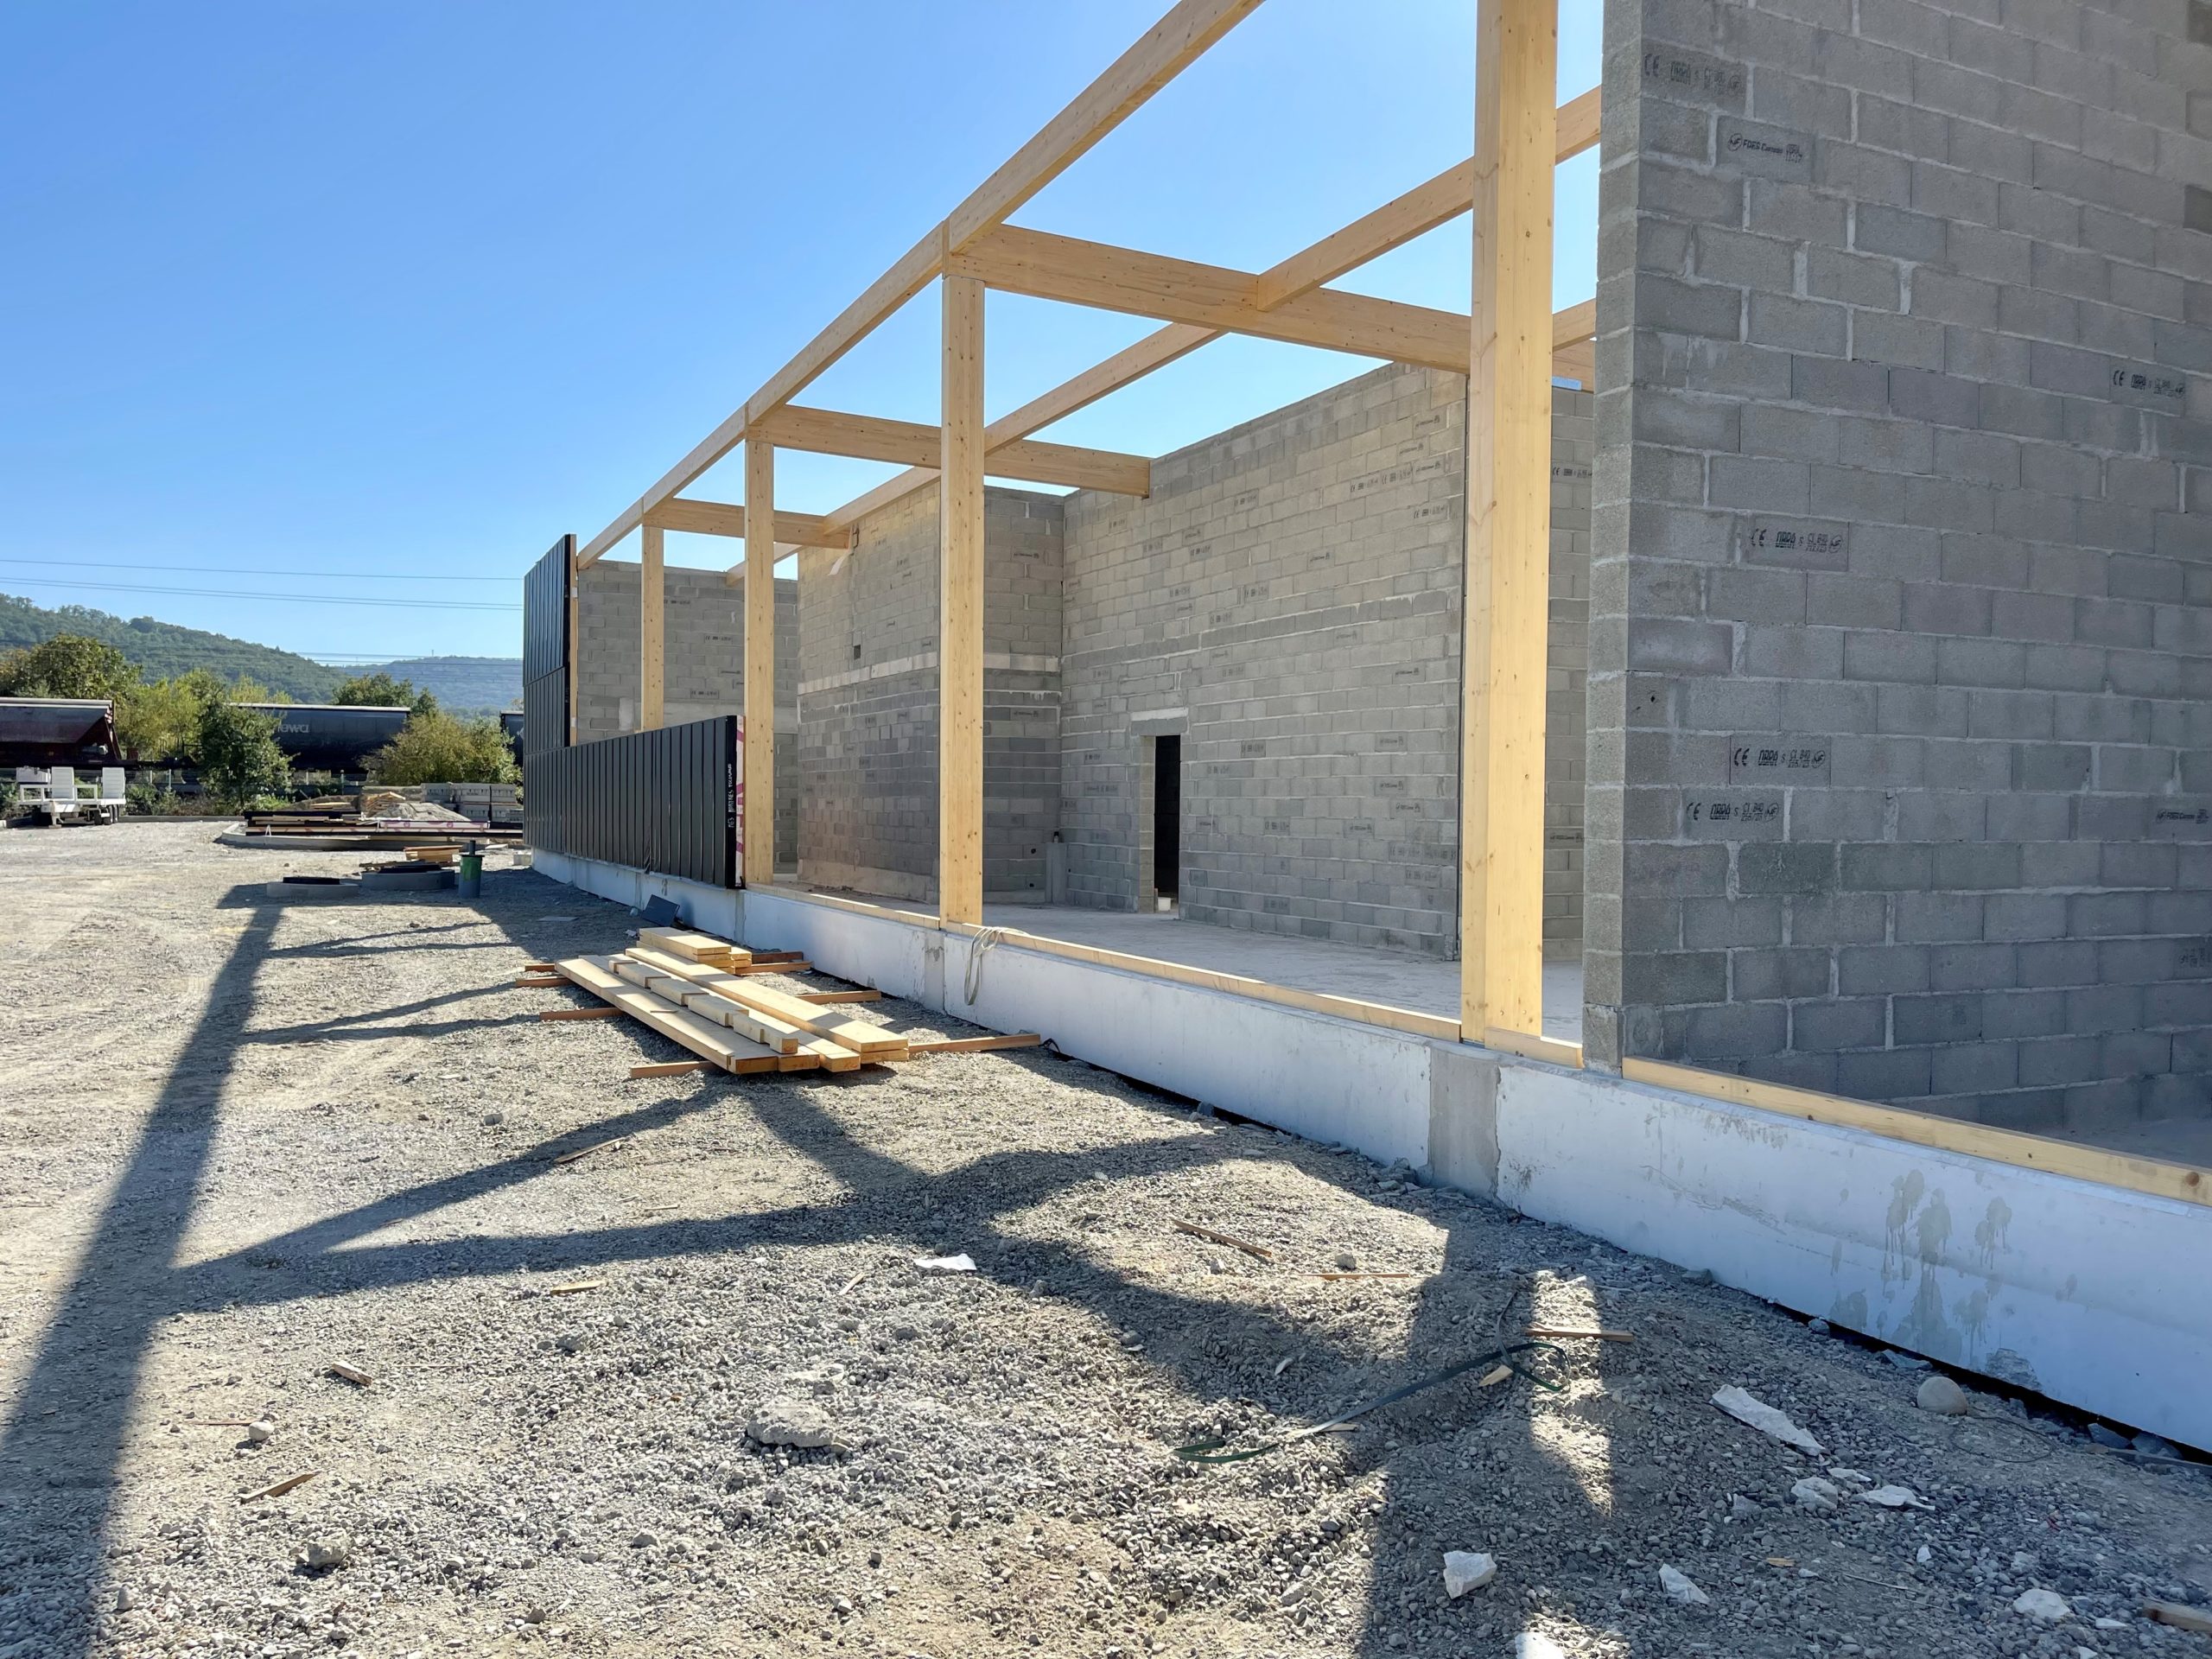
(245,1141)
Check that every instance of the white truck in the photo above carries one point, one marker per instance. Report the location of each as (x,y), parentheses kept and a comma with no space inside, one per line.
(54,794)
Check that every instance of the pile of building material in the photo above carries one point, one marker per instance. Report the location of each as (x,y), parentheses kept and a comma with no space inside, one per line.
(702,992)
(377,821)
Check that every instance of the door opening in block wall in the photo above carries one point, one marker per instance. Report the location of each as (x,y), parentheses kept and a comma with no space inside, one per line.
(1166,818)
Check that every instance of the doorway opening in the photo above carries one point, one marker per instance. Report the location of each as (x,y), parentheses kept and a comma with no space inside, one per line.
(1166,819)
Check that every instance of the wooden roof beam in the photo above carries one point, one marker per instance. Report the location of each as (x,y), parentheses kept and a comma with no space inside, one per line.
(726,518)
(1077,272)
(831,432)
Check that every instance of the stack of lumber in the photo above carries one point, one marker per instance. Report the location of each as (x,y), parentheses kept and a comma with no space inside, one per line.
(699,991)
(725,1019)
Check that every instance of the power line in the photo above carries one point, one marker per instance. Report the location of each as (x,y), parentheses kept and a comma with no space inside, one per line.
(302,599)
(245,571)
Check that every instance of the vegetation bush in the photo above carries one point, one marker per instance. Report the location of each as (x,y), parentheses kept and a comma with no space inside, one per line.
(436,748)
(240,761)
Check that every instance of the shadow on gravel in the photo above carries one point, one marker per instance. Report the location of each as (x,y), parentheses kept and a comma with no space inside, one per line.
(62,1449)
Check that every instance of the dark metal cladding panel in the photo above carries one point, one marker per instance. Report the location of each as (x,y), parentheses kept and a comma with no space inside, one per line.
(661,801)
(545,613)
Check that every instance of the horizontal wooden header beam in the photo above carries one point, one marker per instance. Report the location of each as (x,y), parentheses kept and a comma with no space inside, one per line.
(1181,290)
(830,432)
(726,518)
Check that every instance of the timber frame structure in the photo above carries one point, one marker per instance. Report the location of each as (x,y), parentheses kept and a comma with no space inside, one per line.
(1509,347)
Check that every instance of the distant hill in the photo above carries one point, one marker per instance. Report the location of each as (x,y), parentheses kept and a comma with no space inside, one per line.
(162,649)
(463,684)
(466,685)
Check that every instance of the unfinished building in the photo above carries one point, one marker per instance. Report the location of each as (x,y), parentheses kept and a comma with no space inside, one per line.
(1726,766)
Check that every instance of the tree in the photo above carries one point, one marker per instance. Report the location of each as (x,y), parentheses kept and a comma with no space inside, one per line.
(240,761)
(67,665)
(436,748)
(160,720)
(383,691)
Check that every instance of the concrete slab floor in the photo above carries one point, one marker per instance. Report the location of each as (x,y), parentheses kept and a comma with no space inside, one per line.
(1401,979)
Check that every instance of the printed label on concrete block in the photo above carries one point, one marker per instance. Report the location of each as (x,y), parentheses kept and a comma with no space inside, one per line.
(1675,72)
(1753,759)
(1733,817)
(1769,152)
(2181,820)
(1800,543)
(2149,388)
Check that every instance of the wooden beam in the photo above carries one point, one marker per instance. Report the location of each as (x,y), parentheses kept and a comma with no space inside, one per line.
(960,622)
(1391,226)
(2184,1182)
(1163,51)
(726,518)
(1509,522)
(831,432)
(1181,290)
(652,615)
(758,822)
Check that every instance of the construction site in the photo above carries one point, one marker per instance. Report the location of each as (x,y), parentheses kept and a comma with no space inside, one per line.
(1555,1002)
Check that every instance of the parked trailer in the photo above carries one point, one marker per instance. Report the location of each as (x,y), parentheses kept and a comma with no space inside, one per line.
(52,793)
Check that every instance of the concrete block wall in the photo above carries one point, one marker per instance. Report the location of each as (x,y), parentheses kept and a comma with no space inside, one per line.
(1901,651)
(868,689)
(1567,693)
(702,648)
(1288,602)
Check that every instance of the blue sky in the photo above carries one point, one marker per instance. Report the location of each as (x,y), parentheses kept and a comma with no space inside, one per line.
(296,292)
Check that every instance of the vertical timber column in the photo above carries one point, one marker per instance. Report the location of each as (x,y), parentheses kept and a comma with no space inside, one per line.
(759,663)
(652,660)
(1509,522)
(575,636)
(960,622)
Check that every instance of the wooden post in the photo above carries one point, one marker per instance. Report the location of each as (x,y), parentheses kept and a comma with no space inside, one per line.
(576,635)
(652,599)
(1509,522)
(759,663)
(960,623)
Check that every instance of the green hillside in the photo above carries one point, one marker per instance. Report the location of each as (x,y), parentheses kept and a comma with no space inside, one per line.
(463,684)
(162,649)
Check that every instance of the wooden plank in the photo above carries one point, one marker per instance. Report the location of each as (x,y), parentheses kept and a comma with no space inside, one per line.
(833,432)
(1444,1027)
(858,1035)
(1574,125)
(1160,53)
(840,996)
(693,946)
(703,1037)
(1509,522)
(834,1057)
(582,1014)
(1546,1049)
(652,618)
(2152,1175)
(1182,290)
(960,616)
(645,967)
(976,1044)
(757,822)
(663,1069)
(726,519)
